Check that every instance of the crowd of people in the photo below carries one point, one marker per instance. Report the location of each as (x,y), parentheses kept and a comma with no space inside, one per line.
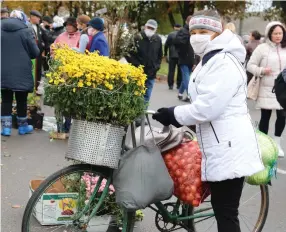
(27,38)
(211,55)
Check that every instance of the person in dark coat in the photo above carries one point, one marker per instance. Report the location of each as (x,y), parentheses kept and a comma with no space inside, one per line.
(47,26)
(42,42)
(173,58)
(149,54)
(98,42)
(186,57)
(18,47)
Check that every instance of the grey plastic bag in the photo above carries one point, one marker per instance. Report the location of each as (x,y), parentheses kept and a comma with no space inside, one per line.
(142,178)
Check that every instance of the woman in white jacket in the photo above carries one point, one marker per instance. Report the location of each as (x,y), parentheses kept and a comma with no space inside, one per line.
(266,62)
(219,110)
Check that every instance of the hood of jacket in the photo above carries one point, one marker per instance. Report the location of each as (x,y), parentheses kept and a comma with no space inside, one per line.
(228,42)
(12,24)
(267,29)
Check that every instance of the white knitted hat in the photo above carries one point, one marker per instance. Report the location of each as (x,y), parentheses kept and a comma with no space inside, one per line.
(205,22)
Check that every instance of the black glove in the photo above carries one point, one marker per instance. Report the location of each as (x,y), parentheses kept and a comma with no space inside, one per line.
(166,117)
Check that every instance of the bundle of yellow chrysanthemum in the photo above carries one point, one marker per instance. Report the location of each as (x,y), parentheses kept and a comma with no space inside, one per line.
(94,88)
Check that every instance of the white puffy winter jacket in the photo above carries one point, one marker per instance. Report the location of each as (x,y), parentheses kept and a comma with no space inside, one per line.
(219,109)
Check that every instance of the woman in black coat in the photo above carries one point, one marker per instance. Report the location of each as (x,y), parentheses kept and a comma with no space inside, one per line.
(17,49)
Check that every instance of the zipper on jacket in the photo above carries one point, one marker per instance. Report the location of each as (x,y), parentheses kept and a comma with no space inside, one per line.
(214,132)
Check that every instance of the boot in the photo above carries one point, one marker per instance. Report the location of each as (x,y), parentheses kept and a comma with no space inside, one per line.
(23,127)
(278,142)
(6,122)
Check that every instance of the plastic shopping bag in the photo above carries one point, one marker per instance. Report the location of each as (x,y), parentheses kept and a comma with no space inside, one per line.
(142,178)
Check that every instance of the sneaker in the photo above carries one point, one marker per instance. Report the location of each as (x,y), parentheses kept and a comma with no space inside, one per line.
(180,97)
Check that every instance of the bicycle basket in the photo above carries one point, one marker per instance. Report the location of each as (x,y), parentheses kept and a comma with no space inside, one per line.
(95,143)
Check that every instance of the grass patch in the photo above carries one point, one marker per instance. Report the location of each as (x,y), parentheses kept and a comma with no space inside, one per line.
(164,68)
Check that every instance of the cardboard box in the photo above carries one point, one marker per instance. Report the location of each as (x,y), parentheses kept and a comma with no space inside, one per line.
(56,206)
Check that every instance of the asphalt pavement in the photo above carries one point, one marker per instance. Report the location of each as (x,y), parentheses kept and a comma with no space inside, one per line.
(35,157)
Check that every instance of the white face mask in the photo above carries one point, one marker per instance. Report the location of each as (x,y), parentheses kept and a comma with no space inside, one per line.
(200,43)
(90,31)
(149,33)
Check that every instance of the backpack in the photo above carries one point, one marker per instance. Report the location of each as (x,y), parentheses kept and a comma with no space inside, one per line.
(280,90)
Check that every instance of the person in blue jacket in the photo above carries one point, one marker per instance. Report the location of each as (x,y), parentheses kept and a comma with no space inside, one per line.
(99,42)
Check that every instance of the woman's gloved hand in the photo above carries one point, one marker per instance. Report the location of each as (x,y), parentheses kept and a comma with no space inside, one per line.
(166,117)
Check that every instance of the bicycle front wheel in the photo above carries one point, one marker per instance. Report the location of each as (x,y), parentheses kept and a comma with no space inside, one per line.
(78,198)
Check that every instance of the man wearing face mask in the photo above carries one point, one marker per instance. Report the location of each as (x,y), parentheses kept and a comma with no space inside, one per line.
(99,42)
(149,54)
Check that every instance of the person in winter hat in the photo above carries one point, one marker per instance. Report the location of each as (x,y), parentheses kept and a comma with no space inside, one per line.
(219,110)
(99,42)
(17,40)
(266,62)
(71,36)
(149,54)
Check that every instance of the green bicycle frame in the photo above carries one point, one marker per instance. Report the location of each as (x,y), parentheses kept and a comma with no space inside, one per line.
(174,215)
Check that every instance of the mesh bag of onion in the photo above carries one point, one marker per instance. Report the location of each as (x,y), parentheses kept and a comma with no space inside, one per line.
(184,166)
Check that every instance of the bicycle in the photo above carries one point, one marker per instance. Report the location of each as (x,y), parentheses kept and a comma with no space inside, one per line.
(170,215)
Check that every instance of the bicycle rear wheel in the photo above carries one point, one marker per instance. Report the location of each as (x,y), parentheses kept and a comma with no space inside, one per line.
(48,211)
(253,211)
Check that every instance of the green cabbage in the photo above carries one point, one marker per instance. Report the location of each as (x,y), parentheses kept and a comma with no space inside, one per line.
(269,153)
(259,178)
(268,148)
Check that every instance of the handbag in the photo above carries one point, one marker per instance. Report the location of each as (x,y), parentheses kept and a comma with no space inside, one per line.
(253,88)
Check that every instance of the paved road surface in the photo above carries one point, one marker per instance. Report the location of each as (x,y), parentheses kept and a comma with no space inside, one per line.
(35,157)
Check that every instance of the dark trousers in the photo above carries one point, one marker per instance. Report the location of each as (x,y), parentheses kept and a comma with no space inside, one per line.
(279,124)
(7,101)
(38,71)
(173,63)
(225,197)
